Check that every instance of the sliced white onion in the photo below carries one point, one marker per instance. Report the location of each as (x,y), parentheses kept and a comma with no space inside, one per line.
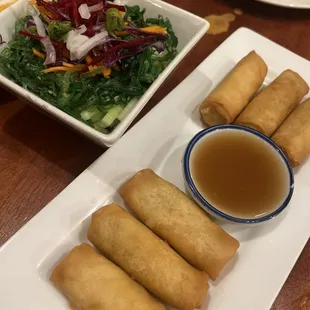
(96,7)
(84,11)
(39,24)
(81,29)
(49,51)
(74,41)
(88,45)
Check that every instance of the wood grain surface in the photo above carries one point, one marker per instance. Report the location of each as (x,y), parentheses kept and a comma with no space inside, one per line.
(39,157)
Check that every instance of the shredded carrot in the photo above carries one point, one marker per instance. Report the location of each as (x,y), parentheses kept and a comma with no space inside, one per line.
(121,33)
(68,65)
(155,28)
(46,14)
(46,17)
(92,68)
(88,59)
(37,53)
(65,69)
(106,72)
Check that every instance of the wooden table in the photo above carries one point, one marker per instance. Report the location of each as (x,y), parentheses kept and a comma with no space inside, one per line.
(39,157)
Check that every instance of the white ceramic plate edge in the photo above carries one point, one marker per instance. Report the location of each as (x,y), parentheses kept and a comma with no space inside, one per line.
(297,4)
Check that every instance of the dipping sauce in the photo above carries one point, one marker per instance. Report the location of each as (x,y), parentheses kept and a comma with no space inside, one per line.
(239,173)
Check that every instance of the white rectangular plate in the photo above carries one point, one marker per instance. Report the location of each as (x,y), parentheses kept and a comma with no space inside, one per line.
(188,36)
(267,253)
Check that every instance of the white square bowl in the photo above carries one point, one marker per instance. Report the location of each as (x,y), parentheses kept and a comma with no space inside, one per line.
(188,28)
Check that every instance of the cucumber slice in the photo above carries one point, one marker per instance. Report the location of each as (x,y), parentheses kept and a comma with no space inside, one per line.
(127,109)
(87,114)
(111,116)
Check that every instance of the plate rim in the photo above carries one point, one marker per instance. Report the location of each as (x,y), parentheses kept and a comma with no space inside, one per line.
(290,6)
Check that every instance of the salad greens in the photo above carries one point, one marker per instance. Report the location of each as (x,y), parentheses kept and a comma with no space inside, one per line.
(136,15)
(123,53)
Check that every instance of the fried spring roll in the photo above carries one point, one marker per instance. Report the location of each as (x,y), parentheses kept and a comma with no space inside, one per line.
(173,216)
(90,281)
(293,136)
(274,103)
(147,258)
(231,96)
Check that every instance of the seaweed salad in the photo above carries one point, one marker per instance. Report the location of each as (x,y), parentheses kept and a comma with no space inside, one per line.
(92,60)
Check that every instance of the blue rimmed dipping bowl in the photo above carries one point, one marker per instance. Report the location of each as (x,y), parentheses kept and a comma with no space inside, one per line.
(203,201)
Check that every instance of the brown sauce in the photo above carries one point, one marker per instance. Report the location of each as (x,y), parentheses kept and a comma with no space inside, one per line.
(219,23)
(239,173)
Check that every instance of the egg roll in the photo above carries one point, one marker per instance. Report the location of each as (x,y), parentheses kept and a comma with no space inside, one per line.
(90,281)
(274,103)
(147,258)
(231,96)
(293,136)
(174,217)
